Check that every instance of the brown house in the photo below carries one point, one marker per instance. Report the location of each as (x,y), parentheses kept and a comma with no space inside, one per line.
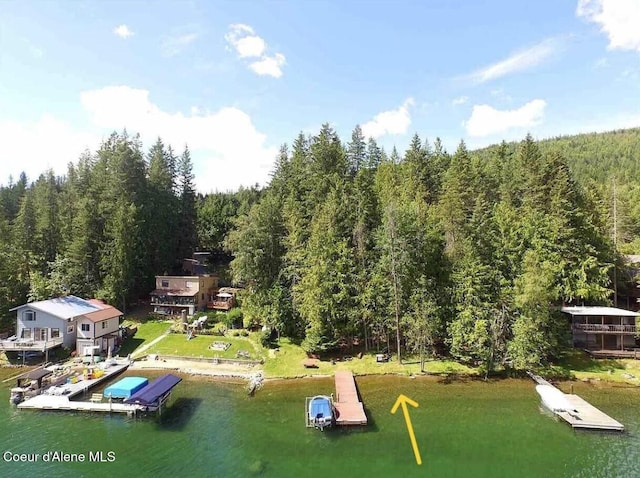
(604,331)
(174,294)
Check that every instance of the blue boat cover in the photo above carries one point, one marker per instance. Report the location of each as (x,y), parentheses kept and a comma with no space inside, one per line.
(126,387)
(150,394)
(320,407)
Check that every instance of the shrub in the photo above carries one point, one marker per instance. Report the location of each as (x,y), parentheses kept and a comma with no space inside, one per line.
(218,329)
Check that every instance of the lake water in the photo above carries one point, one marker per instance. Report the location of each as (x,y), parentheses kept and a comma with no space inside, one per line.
(463,429)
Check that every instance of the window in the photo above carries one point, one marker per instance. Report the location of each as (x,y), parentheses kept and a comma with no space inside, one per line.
(70,329)
(26,334)
(104,324)
(85,327)
(165,283)
(202,296)
(29,315)
(55,333)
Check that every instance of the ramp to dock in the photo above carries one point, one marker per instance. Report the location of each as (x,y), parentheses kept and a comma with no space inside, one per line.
(581,414)
(349,408)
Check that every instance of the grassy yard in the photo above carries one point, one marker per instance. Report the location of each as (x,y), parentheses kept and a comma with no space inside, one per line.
(147,331)
(287,359)
(287,362)
(577,364)
(177,344)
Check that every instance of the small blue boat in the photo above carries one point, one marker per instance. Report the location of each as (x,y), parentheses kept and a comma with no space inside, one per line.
(321,411)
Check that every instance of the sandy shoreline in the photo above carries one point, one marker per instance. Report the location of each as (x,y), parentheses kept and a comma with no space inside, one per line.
(193,367)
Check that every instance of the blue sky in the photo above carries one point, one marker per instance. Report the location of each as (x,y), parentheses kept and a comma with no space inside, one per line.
(236,79)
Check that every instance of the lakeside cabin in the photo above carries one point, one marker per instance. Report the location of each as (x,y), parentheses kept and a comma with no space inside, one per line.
(604,331)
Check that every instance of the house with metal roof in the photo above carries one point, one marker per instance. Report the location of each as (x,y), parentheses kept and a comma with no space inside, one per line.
(44,325)
(605,331)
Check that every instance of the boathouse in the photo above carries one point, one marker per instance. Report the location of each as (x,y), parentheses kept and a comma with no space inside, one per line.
(604,331)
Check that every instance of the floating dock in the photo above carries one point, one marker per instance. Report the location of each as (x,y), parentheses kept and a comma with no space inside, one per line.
(578,412)
(349,408)
(57,402)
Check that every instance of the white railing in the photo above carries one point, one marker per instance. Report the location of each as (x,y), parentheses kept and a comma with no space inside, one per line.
(611,328)
(27,344)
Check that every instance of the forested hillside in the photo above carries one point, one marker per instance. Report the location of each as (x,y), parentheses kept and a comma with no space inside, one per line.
(426,251)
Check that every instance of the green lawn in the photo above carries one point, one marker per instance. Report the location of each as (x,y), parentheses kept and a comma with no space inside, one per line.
(177,344)
(147,331)
(580,365)
(287,362)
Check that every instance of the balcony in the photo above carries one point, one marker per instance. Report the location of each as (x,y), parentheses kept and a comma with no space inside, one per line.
(170,301)
(606,329)
(18,345)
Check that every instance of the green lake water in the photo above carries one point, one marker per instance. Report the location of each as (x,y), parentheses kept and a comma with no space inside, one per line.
(463,428)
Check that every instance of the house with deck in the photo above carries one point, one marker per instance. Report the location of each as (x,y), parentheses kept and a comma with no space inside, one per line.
(68,321)
(175,294)
(98,330)
(604,331)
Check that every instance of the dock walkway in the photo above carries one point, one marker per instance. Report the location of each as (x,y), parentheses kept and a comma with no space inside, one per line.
(57,402)
(349,408)
(57,397)
(582,414)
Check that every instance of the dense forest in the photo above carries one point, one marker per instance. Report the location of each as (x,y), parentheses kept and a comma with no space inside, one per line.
(467,254)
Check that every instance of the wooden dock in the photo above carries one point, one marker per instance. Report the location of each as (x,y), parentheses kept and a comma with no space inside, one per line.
(582,414)
(349,408)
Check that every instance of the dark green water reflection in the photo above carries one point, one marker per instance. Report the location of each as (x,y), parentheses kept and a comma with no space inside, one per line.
(464,429)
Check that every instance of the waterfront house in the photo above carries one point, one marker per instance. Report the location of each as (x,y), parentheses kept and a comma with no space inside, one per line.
(45,324)
(175,294)
(98,329)
(604,331)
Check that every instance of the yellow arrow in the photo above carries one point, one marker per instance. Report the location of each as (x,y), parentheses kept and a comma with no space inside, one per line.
(404,400)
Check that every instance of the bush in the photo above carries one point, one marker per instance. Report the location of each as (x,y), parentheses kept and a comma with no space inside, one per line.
(218,329)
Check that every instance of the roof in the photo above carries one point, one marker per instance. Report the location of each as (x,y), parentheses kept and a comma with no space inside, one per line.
(103,314)
(150,394)
(600,311)
(98,303)
(126,387)
(65,307)
(38,374)
(176,292)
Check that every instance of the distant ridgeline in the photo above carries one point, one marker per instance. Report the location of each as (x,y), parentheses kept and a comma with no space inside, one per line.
(596,156)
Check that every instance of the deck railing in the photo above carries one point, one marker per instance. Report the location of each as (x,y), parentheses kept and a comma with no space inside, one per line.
(26,344)
(606,328)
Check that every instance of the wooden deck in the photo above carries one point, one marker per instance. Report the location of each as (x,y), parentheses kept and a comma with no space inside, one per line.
(349,408)
(583,415)
(588,416)
(634,354)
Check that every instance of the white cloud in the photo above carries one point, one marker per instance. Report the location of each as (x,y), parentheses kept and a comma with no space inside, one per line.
(619,19)
(173,45)
(226,148)
(269,65)
(460,100)
(243,40)
(123,31)
(520,60)
(389,122)
(486,120)
(35,146)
